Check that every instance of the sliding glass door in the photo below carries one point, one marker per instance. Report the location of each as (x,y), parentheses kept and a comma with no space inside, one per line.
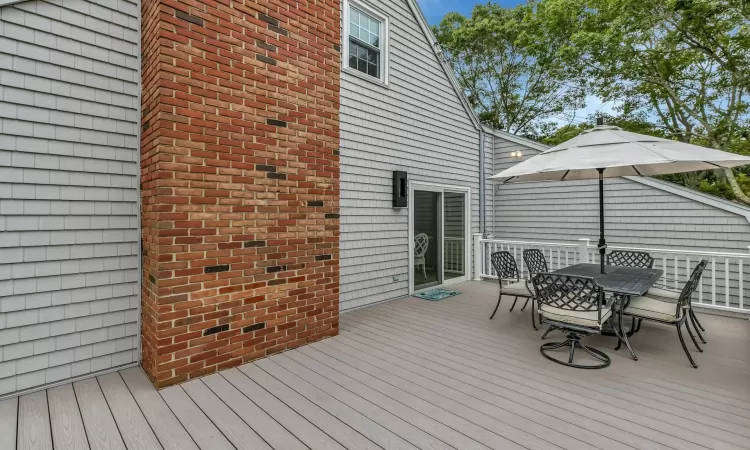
(439,234)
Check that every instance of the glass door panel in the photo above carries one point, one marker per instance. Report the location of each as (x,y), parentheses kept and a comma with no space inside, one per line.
(454,226)
(426,265)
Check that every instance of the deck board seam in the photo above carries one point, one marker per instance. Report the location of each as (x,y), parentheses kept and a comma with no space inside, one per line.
(512,349)
(141,410)
(499,407)
(413,395)
(375,404)
(207,416)
(298,413)
(78,407)
(589,399)
(448,398)
(478,341)
(109,408)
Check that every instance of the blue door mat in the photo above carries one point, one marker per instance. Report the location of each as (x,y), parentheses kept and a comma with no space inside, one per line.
(435,295)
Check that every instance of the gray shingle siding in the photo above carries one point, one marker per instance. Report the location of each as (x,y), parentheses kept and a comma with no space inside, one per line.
(416,124)
(69,113)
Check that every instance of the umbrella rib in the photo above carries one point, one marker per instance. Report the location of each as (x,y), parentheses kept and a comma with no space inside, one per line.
(712,164)
(637,171)
(566,174)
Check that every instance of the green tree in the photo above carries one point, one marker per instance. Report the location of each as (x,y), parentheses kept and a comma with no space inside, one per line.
(509,68)
(680,63)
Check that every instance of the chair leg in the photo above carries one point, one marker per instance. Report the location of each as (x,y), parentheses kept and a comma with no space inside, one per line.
(525,305)
(499,297)
(695,318)
(695,325)
(622,335)
(424,270)
(638,327)
(549,330)
(690,332)
(533,322)
(684,347)
(514,304)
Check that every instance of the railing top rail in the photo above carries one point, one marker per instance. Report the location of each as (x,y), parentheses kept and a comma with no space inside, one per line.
(678,252)
(542,244)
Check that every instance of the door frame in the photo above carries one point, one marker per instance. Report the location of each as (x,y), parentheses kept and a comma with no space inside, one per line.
(440,188)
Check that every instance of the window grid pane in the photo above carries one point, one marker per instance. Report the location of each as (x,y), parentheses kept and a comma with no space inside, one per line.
(364,29)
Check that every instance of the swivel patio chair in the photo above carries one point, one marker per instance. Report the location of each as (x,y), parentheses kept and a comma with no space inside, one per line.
(506,270)
(575,305)
(667,311)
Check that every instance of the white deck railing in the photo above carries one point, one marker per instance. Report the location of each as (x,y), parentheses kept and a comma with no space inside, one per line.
(453,254)
(724,285)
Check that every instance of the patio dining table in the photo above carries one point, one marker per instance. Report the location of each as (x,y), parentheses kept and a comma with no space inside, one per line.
(624,282)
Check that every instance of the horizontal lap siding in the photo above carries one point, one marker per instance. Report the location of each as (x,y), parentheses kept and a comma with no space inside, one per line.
(68,189)
(417,124)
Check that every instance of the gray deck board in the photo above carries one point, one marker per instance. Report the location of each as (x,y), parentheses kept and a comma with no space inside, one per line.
(550,383)
(203,431)
(338,430)
(133,426)
(67,425)
(33,422)
(101,428)
(8,423)
(413,374)
(235,429)
(366,426)
(305,431)
(168,429)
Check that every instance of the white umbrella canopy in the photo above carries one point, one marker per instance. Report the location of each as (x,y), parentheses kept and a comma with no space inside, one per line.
(620,153)
(606,152)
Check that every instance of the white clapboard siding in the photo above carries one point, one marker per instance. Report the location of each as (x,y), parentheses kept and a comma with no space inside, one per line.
(69,113)
(417,124)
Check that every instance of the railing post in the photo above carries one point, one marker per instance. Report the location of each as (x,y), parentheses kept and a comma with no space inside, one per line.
(478,256)
(583,250)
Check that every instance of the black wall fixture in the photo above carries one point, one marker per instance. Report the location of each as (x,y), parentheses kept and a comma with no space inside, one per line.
(400,193)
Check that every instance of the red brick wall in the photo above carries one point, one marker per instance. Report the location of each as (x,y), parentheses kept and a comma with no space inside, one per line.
(240,181)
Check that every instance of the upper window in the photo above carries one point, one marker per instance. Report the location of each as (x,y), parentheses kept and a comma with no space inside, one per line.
(366,42)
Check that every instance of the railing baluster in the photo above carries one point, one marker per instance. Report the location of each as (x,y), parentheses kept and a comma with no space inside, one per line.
(726,282)
(739,268)
(676,272)
(713,281)
(664,269)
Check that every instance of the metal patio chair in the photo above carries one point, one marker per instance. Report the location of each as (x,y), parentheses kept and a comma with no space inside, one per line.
(575,305)
(536,263)
(506,270)
(421,242)
(630,259)
(668,310)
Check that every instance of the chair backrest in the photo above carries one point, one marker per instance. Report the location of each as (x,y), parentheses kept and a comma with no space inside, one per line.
(568,292)
(421,242)
(505,265)
(630,259)
(686,295)
(535,261)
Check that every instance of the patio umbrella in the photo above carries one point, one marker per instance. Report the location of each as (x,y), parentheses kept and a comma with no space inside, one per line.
(607,152)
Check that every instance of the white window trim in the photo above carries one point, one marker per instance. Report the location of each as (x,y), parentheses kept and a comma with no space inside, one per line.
(384,45)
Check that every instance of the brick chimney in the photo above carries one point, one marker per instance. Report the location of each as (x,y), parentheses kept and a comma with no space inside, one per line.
(240,181)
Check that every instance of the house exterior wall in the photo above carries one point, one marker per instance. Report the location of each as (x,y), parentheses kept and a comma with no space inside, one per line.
(416,124)
(636,215)
(240,174)
(69,87)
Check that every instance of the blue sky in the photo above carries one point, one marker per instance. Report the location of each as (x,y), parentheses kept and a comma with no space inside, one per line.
(434,10)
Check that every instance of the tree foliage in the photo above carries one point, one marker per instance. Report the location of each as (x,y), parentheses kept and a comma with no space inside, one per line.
(679,69)
(510,70)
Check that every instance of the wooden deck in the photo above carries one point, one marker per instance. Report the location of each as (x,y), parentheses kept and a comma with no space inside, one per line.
(416,374)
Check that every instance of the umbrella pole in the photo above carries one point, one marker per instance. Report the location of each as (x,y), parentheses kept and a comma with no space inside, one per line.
(602,242)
